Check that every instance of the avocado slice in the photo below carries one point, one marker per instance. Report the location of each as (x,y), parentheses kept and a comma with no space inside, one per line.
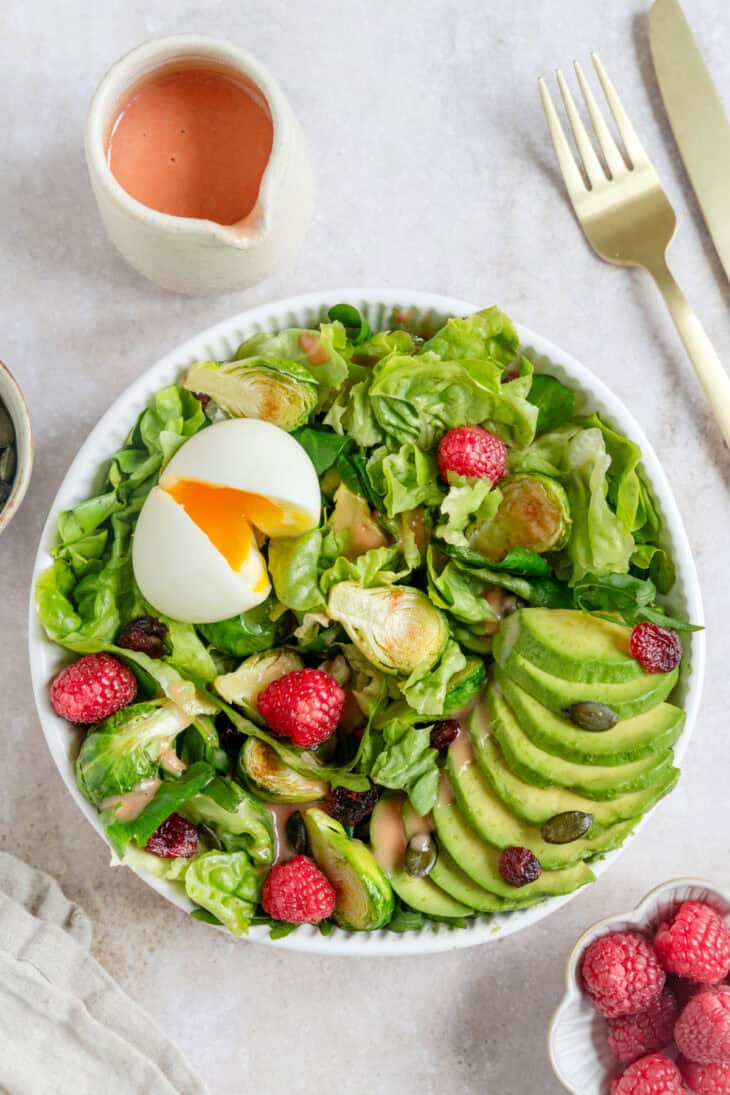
(569,644)
(496,824)
(538,804)
(388,841)
(544,770)
(449,876)
(650,732)
(481,860)
(364,896)
(627,698)
(267,777)
(464,686)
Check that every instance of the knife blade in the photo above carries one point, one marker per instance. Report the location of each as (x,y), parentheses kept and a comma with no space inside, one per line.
(697,115)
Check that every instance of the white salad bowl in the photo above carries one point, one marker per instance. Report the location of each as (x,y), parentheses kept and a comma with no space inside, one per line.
(578,1043)
(220,342)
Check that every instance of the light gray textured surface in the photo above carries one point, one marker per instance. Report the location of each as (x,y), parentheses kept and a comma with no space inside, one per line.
(434,172)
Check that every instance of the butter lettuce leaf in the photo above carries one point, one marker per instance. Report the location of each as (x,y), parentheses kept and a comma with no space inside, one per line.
(489,333)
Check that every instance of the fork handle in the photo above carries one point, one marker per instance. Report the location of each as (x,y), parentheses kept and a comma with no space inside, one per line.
(702,354)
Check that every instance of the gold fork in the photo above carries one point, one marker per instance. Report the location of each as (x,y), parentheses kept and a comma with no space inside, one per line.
(628,218)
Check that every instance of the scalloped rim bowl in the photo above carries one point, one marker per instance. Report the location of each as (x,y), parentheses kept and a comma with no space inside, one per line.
(220,342)
(577,1041)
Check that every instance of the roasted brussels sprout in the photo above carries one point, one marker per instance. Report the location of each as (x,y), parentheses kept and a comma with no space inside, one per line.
(282,392)
(266,775)
(396,627)
(364,895)
(534,513)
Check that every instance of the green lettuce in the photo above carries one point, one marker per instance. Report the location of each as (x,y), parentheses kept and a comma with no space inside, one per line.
(468,501)
(89,592)
(406,762)
(293,566)
(373,568)
(418,399)
(406,479)
(489,333)
(425,690)
(228,885)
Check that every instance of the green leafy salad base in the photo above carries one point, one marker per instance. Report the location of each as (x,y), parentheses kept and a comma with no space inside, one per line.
(398,594)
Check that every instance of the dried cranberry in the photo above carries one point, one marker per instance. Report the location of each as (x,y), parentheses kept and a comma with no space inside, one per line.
(228,737)
(146,634)
(656,649)
(176,838)
(519,866)
(202,398)
(352,807)
(443,733)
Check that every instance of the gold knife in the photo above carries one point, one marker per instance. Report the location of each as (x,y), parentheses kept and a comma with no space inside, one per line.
(699,122)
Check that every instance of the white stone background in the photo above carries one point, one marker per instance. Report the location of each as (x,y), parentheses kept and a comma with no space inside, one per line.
(435,172)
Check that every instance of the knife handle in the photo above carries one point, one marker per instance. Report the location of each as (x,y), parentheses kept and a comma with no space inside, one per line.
(702,354)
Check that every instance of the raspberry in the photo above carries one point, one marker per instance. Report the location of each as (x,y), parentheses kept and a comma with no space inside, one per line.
(705,1079)
(632,1036)
(702,1032)
(298,892)
(654,1075)
(92,688)
(656,649)
(147,634)
(352,807)
(304,706)
(443,733)
(176,838)
(695,943)
(621,974)
(473,452)
(519,866)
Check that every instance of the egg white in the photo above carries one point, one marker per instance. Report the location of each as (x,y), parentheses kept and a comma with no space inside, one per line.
(251,455)
(183,575)
(178,569)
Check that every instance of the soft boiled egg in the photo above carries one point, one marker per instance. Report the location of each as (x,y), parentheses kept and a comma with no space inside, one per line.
(195,554)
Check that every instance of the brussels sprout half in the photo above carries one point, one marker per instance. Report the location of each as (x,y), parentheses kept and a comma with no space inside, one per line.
(282,392)
(534,513)
(125,748)
(226,884)
(268,777)
(364,896)
(243,686)
(395,627)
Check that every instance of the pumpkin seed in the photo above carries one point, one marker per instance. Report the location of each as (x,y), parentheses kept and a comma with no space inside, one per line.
(567,827)
(595,717)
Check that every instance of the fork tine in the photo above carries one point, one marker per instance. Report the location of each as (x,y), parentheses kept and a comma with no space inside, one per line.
(628,133)
(592,166)
(613,157)
(571,174)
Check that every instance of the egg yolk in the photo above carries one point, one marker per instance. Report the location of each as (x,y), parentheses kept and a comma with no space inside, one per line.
(226,515)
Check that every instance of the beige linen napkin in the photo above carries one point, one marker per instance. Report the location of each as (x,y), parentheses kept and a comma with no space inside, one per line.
(66,1028)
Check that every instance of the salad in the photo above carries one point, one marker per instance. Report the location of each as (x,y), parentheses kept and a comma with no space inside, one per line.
(365,631)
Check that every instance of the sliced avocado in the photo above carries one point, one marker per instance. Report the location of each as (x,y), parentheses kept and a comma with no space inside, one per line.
(481,860)
(650,732)
(266,775)
(541,769)
(627,698)
(538,804)
(569,643)
(449,876)
(464,686)
(364,895)
(388,840)
(495,823)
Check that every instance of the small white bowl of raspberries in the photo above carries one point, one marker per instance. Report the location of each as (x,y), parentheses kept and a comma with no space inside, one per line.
(647,1006)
